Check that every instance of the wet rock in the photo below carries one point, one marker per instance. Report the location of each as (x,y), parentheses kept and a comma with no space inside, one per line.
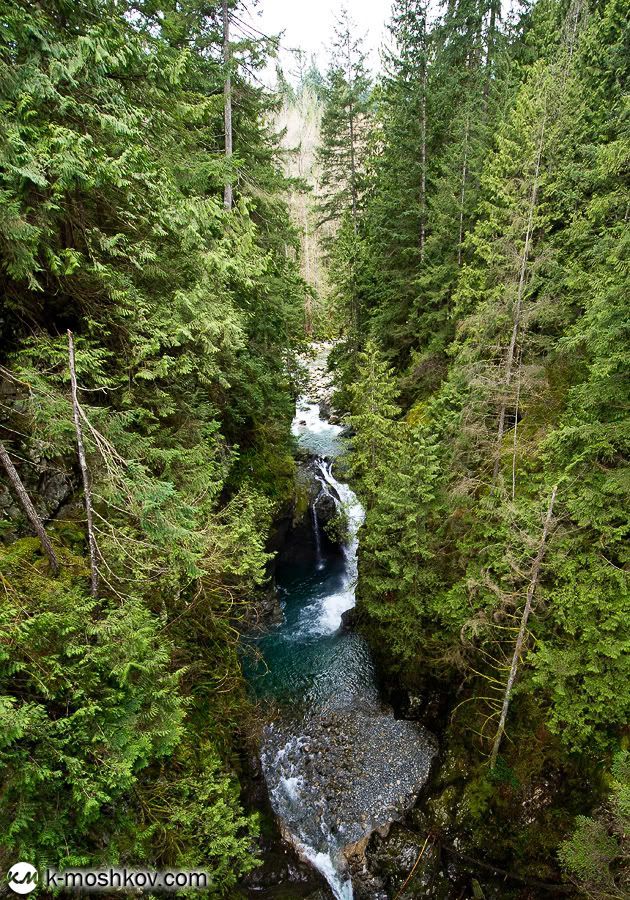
(266,611)
(313,498)
(349,619)
(284,877)
(325,508)
(385,763)
(325,408)
(405,858)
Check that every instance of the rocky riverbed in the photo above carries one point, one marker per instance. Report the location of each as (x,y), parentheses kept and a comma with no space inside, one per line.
(339,766)
(320,381)
(351,772)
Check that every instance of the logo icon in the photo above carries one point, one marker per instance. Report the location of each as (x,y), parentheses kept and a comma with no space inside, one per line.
(22,878)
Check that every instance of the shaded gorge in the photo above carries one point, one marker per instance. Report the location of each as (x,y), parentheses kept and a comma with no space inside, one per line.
(337,763)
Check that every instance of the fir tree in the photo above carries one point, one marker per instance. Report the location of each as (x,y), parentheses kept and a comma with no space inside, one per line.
(343,128)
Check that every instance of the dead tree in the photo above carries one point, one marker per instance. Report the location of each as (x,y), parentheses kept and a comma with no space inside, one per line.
(29,509)
(516,325)
(520,640)
(76,409)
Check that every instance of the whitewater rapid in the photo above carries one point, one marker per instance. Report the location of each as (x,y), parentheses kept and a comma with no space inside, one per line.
(337,763)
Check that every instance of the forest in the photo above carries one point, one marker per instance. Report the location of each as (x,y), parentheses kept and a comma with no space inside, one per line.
(469,205)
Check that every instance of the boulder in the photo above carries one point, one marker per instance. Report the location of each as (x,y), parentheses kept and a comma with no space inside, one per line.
(350,774)
(325,506)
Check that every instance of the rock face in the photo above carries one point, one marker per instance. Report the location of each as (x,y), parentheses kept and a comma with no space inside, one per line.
(390,859)
(325,506)
(316,499)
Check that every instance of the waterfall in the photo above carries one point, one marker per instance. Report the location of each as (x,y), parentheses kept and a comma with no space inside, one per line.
(337,763)
(336,604)
(319,561)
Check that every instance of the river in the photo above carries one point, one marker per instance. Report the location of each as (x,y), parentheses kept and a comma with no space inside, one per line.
(336,761)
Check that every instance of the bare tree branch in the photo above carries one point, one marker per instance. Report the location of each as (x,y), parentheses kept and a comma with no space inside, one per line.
(535,572)
(76,409)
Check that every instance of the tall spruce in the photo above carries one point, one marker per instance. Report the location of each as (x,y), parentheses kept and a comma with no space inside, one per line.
(344,124)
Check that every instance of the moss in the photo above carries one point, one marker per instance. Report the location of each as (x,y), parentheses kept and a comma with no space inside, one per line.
(272,466)
(337,527)
(442,808)
(300,500)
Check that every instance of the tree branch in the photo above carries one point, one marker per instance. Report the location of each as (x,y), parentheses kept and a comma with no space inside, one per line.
(29,509)
(76,409)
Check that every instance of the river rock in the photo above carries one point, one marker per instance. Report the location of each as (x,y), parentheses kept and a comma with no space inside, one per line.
(320,383)
(349,619)
(372,769)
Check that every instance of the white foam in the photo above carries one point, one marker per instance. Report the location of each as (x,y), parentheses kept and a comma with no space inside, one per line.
(323,862)
(308,419)
(291,787)
(314,433)
(334,605)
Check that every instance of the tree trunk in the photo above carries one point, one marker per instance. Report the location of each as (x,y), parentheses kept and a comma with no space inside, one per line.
(227,94)
(509,362)
(490,51)
(423,149)
(462,196)
(522,630)
(84,470)
(28,507)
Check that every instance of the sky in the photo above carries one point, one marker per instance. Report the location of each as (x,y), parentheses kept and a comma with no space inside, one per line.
(308,24)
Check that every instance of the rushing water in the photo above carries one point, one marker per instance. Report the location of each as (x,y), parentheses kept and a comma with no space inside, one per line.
(335,760)
(308,662)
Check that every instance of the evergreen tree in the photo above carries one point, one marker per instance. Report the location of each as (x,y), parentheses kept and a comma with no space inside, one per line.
(124,715)
(373,413)
(343,128)
(507,340)
(397,208)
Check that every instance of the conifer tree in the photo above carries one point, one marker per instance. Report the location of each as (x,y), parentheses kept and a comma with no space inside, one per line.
(184,318)
(344,123)
(373,413)
(397,208)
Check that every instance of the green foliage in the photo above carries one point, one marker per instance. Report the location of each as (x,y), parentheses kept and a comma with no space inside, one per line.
(88,701)
(373,412)
(597,856)
(489,262)
(451,534)
(337,527)
(346,102)
(192,812)
(122,713)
